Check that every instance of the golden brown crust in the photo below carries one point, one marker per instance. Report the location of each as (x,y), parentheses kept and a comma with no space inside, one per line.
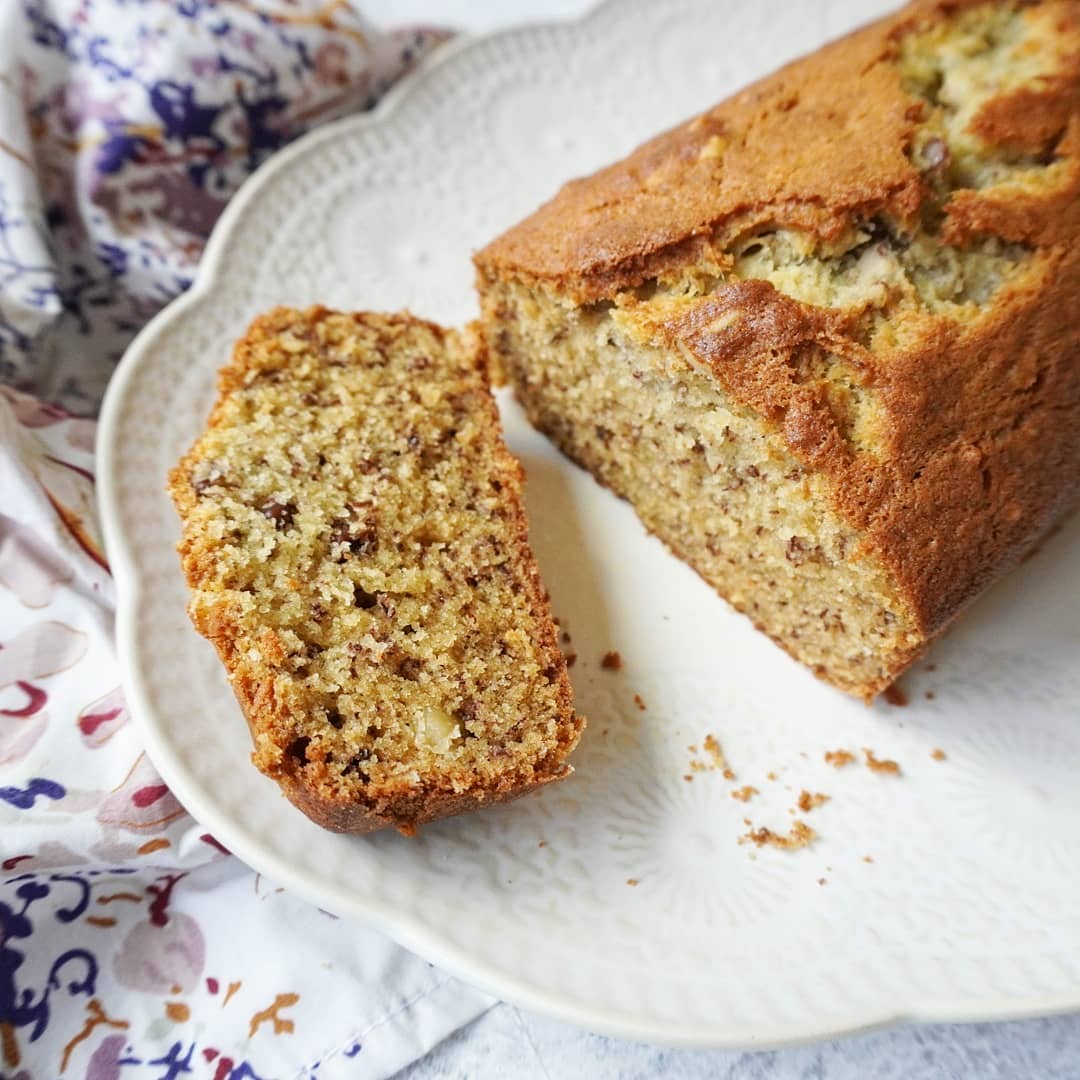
(977,449)
(270,705)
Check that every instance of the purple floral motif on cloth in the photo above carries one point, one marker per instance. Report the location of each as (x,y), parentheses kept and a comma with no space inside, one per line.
(132,945)
(125,127)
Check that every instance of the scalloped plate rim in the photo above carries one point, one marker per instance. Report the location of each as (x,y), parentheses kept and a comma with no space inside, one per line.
(405,930)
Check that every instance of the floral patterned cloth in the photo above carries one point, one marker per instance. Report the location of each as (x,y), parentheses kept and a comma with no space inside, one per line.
(131,943)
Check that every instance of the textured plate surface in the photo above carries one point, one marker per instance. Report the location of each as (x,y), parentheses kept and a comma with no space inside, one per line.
(968,908)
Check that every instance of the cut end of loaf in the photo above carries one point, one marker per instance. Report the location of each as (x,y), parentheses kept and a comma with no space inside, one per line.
(821,336)
(354,539)
(722,490)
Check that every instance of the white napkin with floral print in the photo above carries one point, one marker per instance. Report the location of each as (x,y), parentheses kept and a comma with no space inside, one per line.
(131,943)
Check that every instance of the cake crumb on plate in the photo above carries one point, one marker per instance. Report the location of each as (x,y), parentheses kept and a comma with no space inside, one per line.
(808,802)
(879,765)
(800,836)
(839,758)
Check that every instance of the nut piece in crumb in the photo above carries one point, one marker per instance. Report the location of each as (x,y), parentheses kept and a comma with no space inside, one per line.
(937,754)
(611,661)
(808,802)
(875,764)
(839,758)
(800,836)
(745,793)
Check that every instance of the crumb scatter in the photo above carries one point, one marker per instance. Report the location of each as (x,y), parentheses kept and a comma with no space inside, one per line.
(745,793)
(839,758)
(799,836)
(611,661)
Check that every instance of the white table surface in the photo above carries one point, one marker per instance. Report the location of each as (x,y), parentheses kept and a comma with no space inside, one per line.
(511,1043)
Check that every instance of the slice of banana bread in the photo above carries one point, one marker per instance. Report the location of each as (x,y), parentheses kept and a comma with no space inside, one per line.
(356,549)
(825,337)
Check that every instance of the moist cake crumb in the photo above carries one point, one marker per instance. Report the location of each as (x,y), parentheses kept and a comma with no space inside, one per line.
(356,549)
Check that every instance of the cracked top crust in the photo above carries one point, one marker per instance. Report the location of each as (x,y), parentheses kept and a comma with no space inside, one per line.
(876,249)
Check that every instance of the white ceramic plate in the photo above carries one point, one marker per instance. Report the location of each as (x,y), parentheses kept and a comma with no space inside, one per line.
(969,908)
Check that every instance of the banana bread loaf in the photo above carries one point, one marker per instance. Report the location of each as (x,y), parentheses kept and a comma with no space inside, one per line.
(354,541)
(825,337)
